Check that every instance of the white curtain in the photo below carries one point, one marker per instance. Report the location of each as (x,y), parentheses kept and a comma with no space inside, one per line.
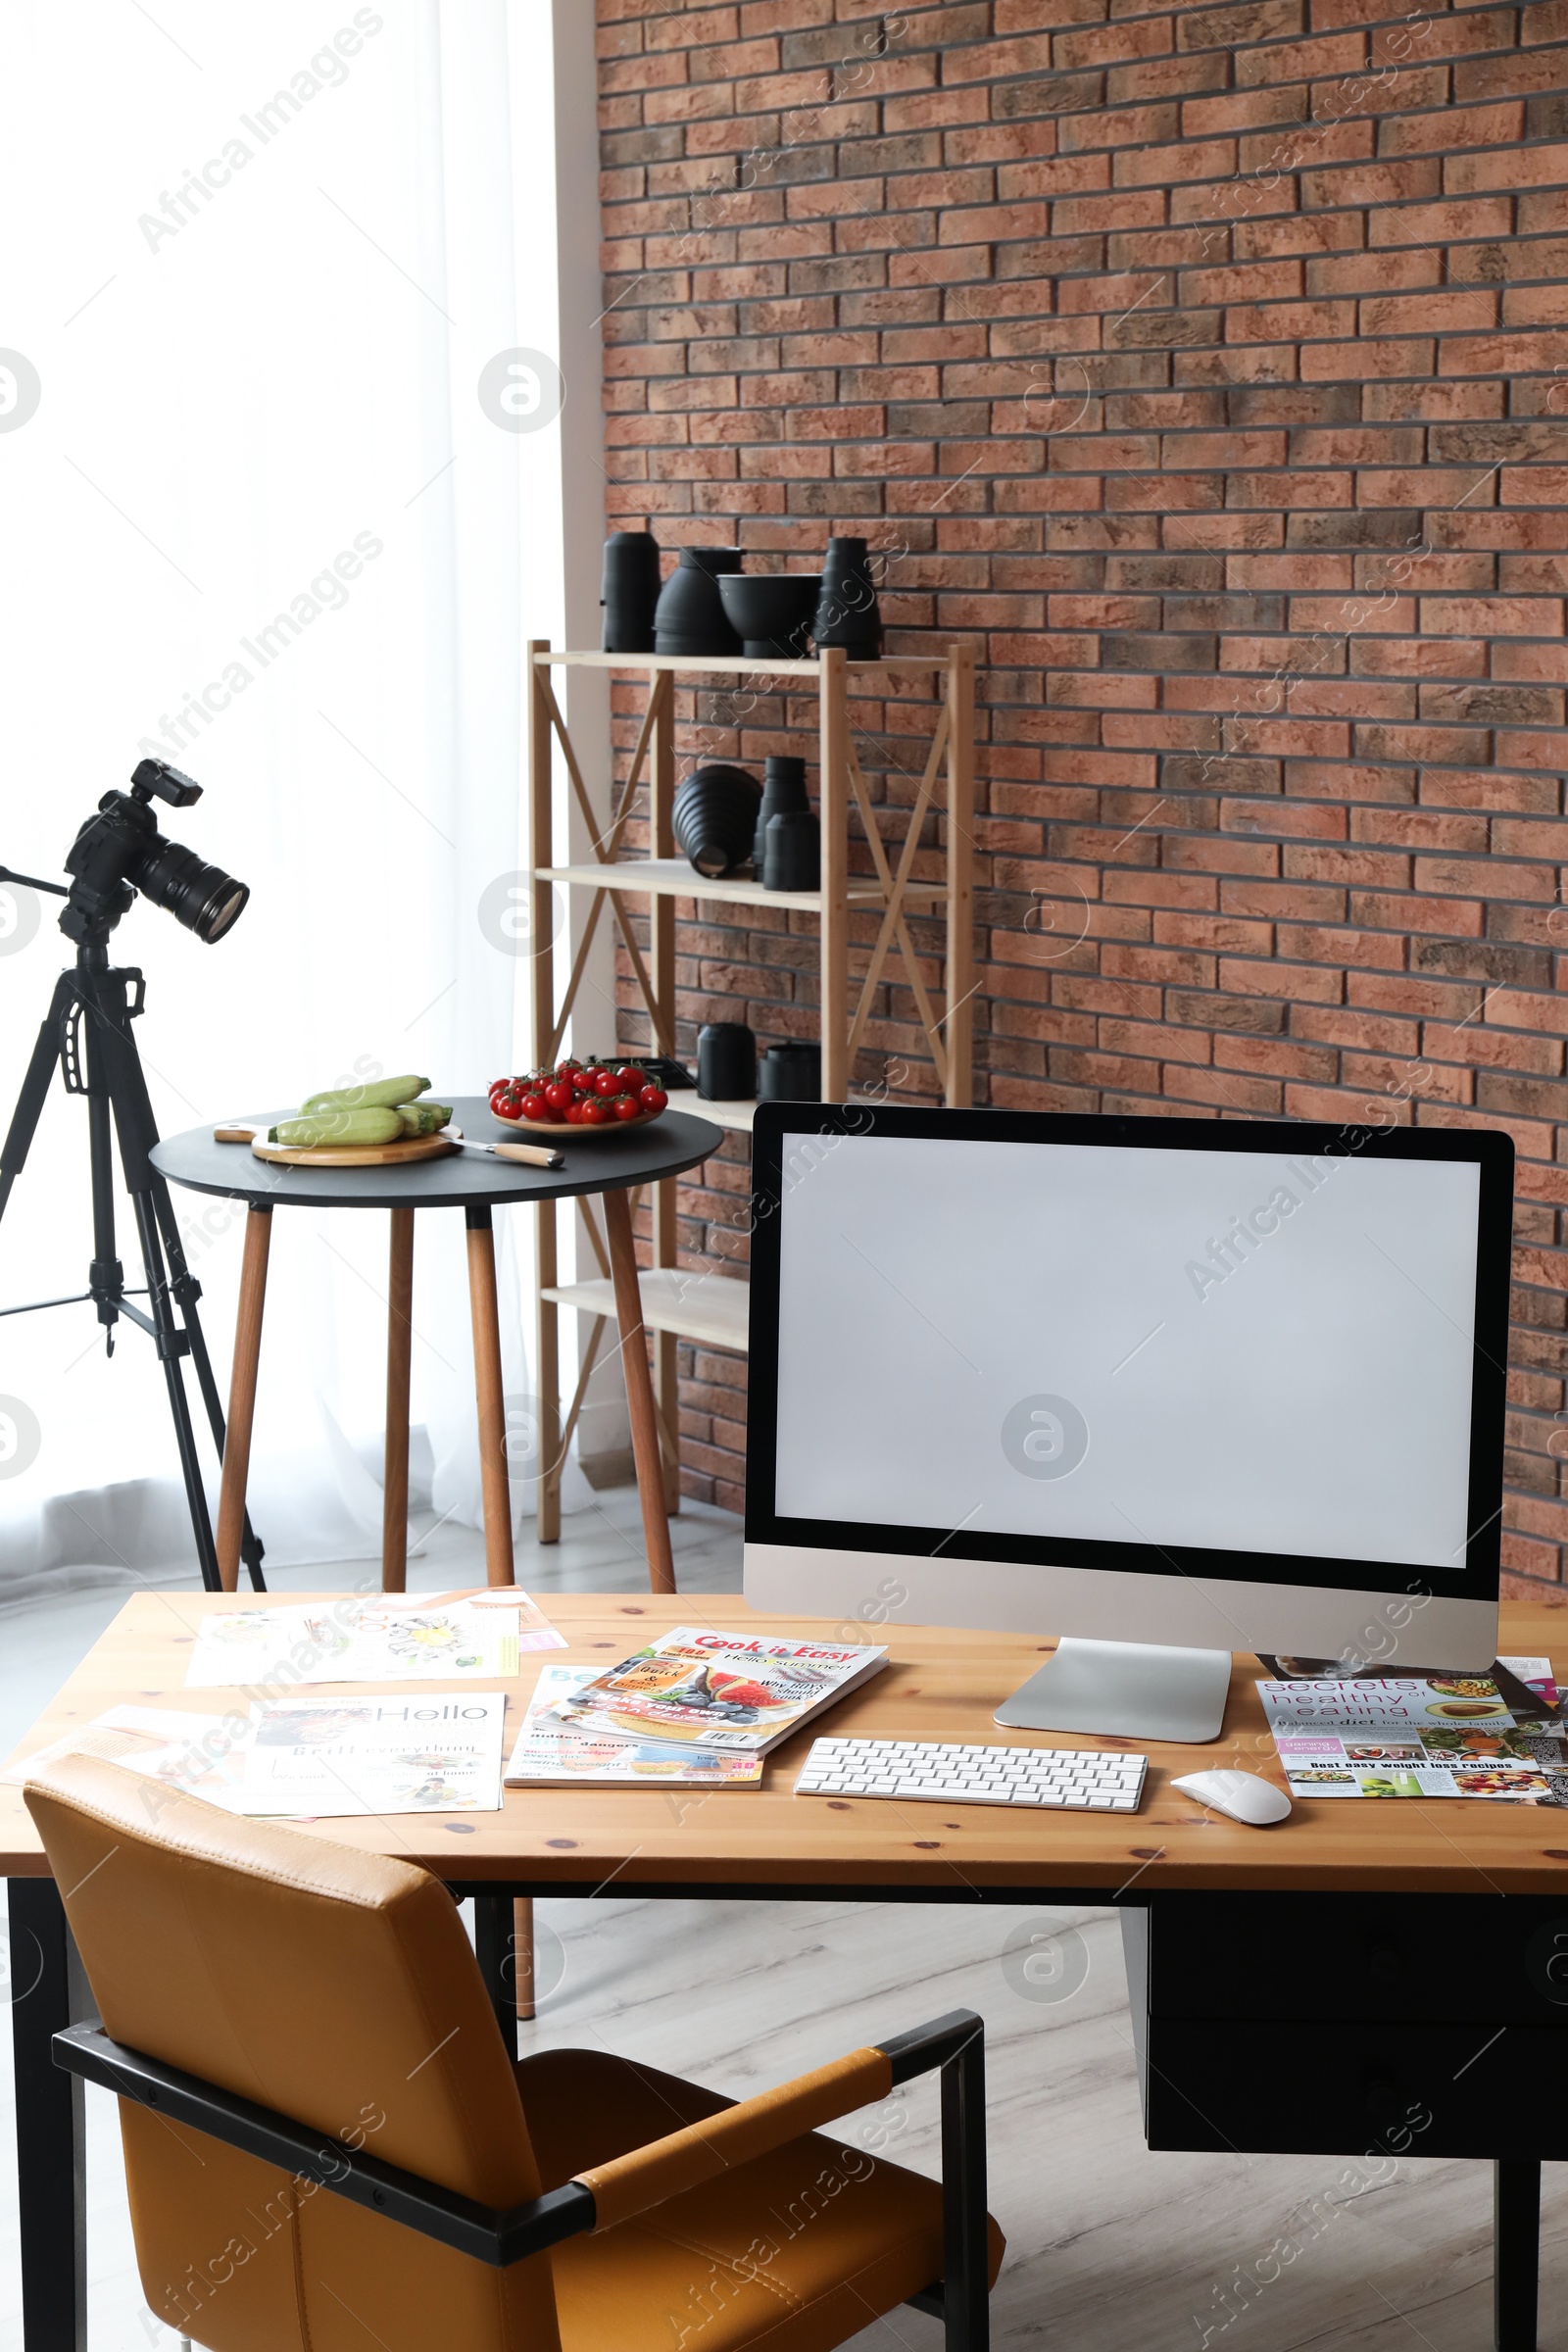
(262,516)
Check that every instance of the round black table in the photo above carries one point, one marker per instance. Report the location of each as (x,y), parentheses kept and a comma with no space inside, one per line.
(613,1164)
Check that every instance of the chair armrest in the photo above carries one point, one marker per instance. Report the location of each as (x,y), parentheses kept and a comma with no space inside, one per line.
(645,2177)
(494,2235)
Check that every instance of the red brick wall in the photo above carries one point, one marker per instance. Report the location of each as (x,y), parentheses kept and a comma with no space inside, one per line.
(1210,369)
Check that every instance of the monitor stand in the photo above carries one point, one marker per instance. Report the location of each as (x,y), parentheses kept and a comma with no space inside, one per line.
(1128,1690)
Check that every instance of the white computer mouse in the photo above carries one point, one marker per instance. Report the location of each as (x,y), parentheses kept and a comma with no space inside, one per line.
(1245,1795)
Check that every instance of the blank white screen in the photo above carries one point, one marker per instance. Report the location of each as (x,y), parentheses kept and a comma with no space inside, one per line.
(1312,1396)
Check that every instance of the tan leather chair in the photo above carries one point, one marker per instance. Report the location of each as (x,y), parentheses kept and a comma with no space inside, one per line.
(328,2149)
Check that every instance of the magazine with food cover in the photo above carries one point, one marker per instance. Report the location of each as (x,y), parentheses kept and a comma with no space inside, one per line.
(744,1691)
(550,1754)
(350,1639)
(435,1751)
(1440,1735)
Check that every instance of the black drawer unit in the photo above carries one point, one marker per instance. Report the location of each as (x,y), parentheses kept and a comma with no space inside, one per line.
(1312,2024)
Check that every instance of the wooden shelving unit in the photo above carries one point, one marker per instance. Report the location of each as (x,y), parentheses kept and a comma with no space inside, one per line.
(685,1304)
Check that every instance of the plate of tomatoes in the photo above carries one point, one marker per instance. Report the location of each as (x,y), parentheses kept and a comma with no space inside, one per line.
(581,1098)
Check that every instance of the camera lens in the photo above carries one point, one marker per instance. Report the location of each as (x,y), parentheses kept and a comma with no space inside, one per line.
(202,896)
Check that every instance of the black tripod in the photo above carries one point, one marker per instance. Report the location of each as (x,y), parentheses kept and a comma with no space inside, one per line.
(87,1032)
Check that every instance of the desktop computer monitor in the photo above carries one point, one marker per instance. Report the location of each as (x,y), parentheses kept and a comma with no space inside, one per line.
(1185,1386)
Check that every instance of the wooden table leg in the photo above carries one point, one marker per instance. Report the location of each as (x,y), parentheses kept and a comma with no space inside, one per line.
(523,1952)
(399,1357)
(639,1391)
(486,1315)
(242,1391)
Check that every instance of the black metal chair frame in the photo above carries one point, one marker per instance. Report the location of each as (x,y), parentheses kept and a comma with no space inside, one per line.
(954,2043)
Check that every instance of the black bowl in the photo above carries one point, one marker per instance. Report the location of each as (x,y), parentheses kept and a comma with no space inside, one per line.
(715,817)
(772,612)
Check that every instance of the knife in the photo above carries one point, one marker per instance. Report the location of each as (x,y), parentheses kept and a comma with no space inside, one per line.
(532,1155)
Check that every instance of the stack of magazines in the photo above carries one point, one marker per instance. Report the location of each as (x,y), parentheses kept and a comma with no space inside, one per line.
(694,1709)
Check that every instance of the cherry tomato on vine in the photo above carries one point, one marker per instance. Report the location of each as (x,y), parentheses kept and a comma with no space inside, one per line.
(653,1097)
(605,1084)
(534,1107)
(560,1097)
(627,1107)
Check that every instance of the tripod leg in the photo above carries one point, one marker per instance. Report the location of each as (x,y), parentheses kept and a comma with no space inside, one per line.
(169,1338)
(35,1088)
(115,1083)
(106,1277)
(187,1290)
(242,1391)
(114,1076)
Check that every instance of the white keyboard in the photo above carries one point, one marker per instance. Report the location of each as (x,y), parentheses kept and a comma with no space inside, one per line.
(1073,1779)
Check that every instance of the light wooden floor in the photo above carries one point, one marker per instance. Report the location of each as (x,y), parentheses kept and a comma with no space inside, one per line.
(1111,2249)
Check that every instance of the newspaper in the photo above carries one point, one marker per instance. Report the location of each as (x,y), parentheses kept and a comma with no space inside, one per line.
(128,1736)
(387,1637)
(308,1758)
(550,1754)
(744,1691)
(324,1758)
(1443,1735)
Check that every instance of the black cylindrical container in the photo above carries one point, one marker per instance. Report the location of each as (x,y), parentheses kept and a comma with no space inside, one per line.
(726,1063)
(793,858)
(791,1073)
(630,591)
(783,787)
(847,611)
(690,618)
(715,817)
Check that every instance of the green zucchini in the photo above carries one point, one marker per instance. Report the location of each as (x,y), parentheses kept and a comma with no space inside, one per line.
(424,1118)
(377,1125)
(384,1094)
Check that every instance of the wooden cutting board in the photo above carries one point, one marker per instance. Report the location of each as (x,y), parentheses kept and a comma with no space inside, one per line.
(355,1155)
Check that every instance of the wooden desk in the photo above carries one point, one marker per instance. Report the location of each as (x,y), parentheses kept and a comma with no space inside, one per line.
(1254,1956)
(941,1684)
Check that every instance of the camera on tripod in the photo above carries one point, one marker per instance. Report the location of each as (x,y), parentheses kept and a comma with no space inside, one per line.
(86,1036)
(120,850)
